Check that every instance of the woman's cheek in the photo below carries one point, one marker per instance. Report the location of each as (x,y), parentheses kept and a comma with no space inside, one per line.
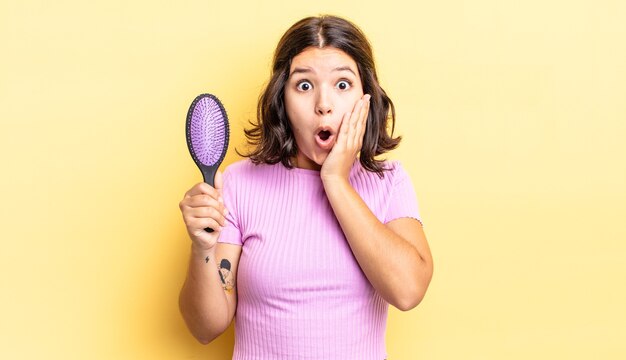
(351,105)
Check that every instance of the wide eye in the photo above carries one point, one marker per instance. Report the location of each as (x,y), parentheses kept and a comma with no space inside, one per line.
(304,86)
(344,85)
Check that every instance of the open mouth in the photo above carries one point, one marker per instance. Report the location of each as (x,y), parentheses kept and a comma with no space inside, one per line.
(324,135)
(325,139)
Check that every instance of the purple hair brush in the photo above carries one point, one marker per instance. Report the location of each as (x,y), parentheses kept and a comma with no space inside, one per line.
(207,135)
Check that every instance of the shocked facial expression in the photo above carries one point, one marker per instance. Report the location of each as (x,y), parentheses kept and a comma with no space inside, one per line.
(323,85)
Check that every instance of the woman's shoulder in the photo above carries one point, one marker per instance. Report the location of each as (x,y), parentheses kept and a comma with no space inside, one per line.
(392,169)
(245,167)
(393,165)
(238,166)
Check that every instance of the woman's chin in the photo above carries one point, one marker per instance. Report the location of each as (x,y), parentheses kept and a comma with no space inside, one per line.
(311,163)
(320,158)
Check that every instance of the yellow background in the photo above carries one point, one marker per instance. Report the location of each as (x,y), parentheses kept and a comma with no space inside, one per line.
(514,122)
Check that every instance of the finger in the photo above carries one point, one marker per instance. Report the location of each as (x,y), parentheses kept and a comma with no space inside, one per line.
(203,201)
(343,129)
(364,108)
(362,123)
(356,114)
(204,189)
(219,181)
(195,190)
(189,193)
(200,224)
(354,119)
(206,213)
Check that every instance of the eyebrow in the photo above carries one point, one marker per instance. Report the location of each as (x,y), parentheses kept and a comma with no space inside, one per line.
(299,70)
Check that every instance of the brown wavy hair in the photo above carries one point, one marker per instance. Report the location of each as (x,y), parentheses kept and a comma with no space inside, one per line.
(271,136)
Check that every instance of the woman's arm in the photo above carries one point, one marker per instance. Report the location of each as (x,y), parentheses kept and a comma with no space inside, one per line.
(208,299)
(395,257)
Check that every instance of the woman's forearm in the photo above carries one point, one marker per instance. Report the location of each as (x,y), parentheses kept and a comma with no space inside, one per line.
(202,301)
(393,266)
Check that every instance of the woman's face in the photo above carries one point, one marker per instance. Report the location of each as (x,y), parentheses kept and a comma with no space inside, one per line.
(323,85)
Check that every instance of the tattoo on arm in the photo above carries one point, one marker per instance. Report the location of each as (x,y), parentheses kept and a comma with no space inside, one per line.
(228,282)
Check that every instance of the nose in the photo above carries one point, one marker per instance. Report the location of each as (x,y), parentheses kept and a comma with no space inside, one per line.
(323,105)
(323,110)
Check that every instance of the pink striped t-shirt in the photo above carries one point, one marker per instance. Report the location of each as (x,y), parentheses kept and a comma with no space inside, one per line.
(300,291)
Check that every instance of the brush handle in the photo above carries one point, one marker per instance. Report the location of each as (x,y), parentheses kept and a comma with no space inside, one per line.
(208,173)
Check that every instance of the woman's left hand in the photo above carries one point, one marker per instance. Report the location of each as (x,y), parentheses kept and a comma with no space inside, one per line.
(349,141)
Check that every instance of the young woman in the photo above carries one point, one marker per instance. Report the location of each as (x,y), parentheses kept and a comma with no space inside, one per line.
(314,237)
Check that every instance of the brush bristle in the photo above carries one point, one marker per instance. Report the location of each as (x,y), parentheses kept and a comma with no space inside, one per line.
(208,131)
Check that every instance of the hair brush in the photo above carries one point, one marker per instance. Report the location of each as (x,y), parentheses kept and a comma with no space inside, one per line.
(207,135)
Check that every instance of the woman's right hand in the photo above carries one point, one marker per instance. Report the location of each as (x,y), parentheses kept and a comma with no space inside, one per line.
(203,207)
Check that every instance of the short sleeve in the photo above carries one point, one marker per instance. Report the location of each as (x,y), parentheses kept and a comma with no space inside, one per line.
(402,199)
(230,233)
